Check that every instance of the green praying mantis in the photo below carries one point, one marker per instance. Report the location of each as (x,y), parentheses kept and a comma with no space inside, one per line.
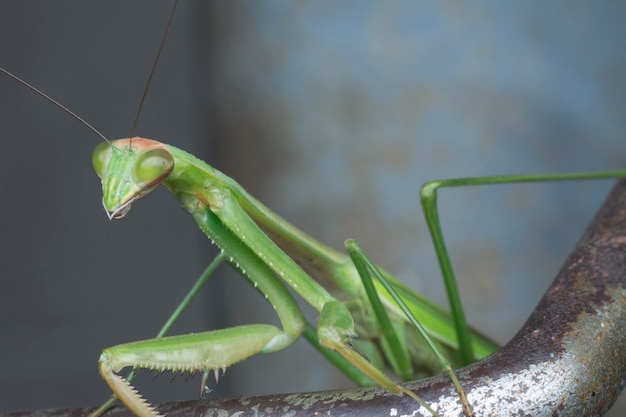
(256,205)
(265,249)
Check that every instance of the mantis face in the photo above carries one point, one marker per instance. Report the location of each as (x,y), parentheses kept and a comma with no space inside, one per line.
(129,170)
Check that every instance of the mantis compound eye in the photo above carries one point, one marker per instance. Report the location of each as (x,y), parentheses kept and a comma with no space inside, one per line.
(100,158)
(152,167)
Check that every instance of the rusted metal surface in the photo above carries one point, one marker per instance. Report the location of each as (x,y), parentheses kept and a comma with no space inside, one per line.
(569,359)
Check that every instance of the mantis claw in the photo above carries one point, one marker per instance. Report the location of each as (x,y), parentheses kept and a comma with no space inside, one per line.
(126,393)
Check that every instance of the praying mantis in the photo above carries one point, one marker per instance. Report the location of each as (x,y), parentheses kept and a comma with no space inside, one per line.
(77,206)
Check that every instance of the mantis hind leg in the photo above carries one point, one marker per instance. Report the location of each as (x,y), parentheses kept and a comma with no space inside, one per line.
(396,350)
(428,196)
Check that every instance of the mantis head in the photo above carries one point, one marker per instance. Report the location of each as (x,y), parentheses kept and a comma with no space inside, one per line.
(129,170)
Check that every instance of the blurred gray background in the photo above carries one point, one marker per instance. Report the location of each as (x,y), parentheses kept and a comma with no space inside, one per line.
(333,114)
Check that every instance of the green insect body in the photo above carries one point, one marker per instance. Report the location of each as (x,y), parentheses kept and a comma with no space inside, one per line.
(270,253)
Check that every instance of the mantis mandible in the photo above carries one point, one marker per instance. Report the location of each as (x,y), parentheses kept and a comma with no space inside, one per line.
(146,208)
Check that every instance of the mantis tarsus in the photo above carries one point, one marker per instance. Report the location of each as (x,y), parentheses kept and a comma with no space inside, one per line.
(147,209)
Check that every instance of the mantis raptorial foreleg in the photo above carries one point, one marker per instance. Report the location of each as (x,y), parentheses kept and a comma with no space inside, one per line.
(182,306)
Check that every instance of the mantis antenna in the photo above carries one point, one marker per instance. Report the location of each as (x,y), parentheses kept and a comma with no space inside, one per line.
(80,119)
(156,61)
(56,103)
